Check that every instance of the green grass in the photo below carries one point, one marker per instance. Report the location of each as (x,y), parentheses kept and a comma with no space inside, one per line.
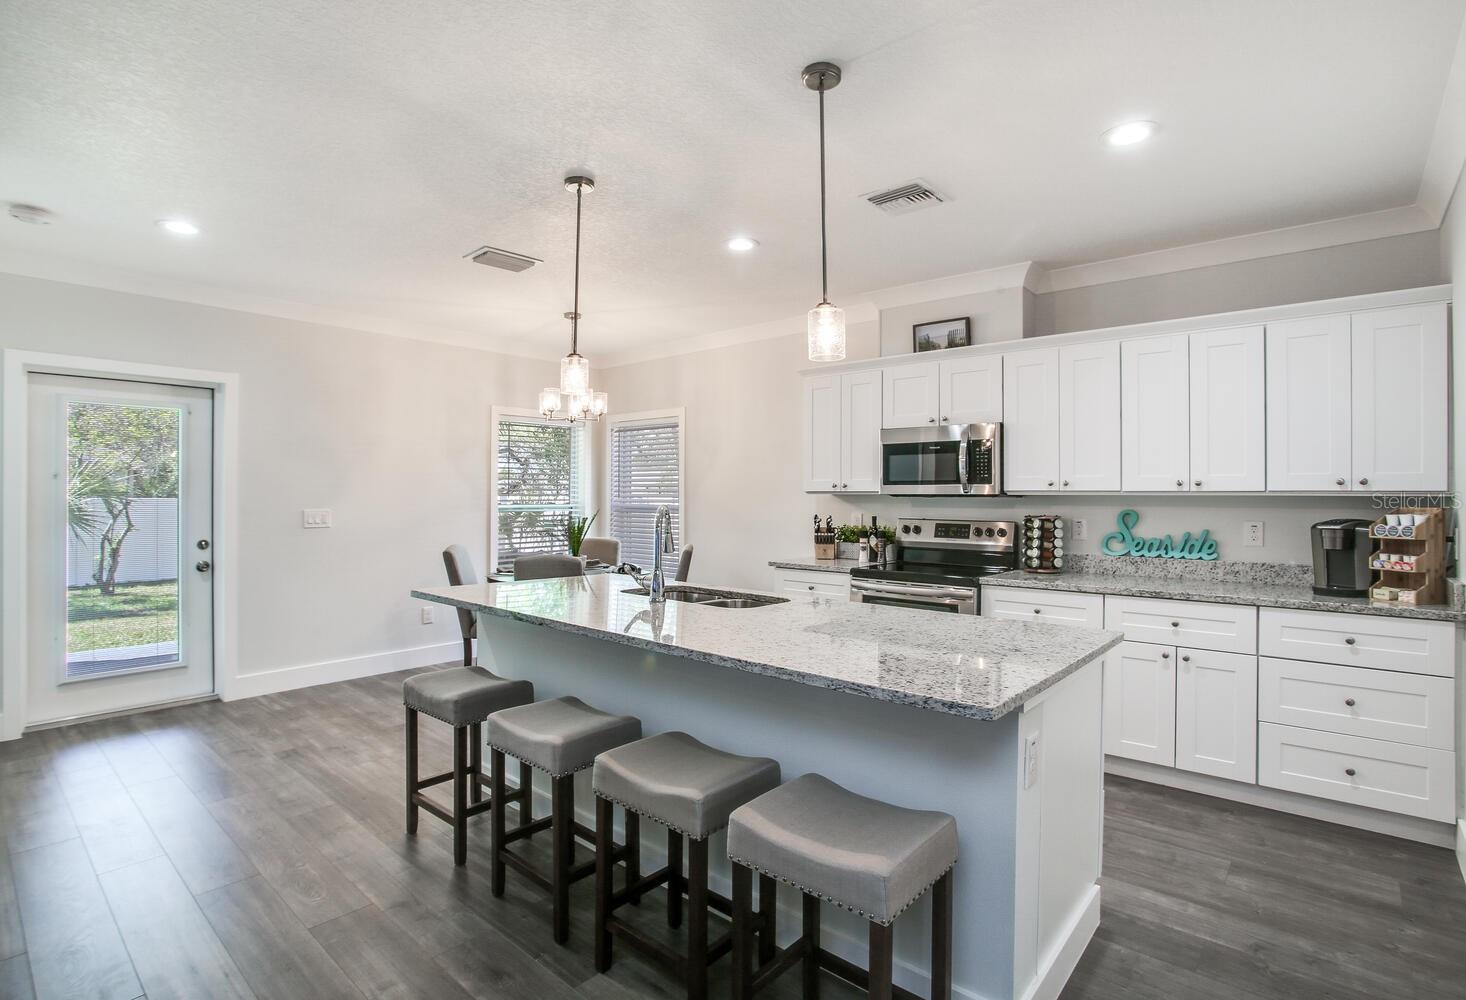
(138,613)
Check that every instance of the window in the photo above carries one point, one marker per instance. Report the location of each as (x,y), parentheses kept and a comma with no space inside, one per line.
(539,469)
(646,472)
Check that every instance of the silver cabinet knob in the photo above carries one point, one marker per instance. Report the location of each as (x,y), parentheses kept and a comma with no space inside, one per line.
(1038,611)
(1196,482)
(944,420)
(1066,482)
(1185,659)
(1349,641)
(1349,702)
(1175,624)
(1349,771)
(931,420)
(203,566)
(1051,482)
(811,586)
(1180,482)
(844,486)
(1165,656)
(1364,482)
(1338,482)
(834,486)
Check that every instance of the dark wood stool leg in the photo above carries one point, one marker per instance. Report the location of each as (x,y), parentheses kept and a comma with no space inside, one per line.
(633,853)
(942,938)
(674,879)
(526,804)
(411,765)
(467,651)
(811,963)
(460,795)
(881,942)
(743,930)
(476,763)
(496,814)
(768,905)
(697,919)
(562,837)
(604,816)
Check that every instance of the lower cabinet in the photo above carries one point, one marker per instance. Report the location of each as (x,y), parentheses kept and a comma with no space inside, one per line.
(1140,702)
(793,581)
(1415,781)
(1216,713)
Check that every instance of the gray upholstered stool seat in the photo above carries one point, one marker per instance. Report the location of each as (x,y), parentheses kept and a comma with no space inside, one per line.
(860,853)
(682,783)
(463,695)
(560,736)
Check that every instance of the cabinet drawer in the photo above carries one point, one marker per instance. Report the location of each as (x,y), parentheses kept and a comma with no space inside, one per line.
(826,584)
(1357,701)
(1057,607)
(1416,647)
(1226,628)
(1414,781)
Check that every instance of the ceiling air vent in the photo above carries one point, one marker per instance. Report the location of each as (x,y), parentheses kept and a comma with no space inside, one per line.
(504,260)
(905,198)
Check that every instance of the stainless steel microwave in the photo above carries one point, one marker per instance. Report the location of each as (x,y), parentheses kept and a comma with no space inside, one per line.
(950,460)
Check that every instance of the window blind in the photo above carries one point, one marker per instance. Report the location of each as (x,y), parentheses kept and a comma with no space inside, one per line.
(539,488)
(644,475)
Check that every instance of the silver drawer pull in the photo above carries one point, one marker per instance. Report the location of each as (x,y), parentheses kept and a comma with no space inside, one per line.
(811,586)
(1165,656)
(1175,624)
(1349,702)
(1349,641)
(1349,771)
(1185,659)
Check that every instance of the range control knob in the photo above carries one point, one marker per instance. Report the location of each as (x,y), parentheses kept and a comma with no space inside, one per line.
(905,529)
(916,529)
(1002,532)
(988,532)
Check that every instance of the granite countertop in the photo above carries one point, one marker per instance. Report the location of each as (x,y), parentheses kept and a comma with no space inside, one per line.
(1282,590)
(980,668)
(816,565)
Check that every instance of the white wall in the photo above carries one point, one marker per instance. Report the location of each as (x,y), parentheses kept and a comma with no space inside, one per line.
(995,315)
(392,434)
(1453,263)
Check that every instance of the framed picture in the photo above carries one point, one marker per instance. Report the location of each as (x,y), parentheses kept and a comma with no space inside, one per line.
(942,334)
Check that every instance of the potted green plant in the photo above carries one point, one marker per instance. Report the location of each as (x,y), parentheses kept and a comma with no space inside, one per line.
(579,526)
(848,537)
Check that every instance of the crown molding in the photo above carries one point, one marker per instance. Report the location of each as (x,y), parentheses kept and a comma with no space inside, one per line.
(1020,275)
(1447,152)
(857,312)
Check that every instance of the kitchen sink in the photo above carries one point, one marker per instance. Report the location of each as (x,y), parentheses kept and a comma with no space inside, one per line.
(712,598)
(742,602)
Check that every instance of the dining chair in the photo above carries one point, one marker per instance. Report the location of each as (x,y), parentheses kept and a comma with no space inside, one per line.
(459,565)
(607,550)
(542,567)
(684,564)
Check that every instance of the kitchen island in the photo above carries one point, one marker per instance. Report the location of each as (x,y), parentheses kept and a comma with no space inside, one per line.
(995,722)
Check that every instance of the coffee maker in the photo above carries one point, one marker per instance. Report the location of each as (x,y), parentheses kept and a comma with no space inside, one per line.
(1341,557)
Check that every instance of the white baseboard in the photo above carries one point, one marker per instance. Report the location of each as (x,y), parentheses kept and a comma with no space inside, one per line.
(1424,831)
(330,671)
(1060,963)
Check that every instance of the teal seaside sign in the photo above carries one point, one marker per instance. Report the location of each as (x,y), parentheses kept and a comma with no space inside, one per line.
(1124,542)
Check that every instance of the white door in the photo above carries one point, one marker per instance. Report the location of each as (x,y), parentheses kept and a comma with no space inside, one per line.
(1089,417)
(119,531)
(1308,404)
(910,396)
(1399,376)
(971,390)
(1228,413)
(1154,394)
(1031,420)
(1216,714)
(1140,702)
(822,433)
(860,434)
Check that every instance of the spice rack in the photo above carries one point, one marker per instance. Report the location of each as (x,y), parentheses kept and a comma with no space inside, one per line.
(1409,558)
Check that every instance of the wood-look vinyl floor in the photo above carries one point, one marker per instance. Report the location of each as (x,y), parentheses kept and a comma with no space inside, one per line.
(256,849)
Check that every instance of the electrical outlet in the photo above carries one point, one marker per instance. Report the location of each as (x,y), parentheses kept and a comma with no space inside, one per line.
(1252,533)
(1030,760)
(427,614)
(316,517)
(1081,529)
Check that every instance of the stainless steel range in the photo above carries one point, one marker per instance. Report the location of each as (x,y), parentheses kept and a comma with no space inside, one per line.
(941,563)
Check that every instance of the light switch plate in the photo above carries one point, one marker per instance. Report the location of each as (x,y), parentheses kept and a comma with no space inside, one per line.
(1252,533)
(315,517)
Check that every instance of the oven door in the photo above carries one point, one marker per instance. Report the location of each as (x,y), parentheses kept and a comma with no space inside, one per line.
(927,597)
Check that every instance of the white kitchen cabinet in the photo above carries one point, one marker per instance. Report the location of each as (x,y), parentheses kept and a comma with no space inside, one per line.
(1031,420)
(1154,397)
(1140,702)
(842,440)
(1089,417)
(911,396)
(1228,411)
(1417,647)
(970,390)
(1399,364)
(1308,405)
(1413,780)
(1226,628)
(1358,701)
(1053,607)
(812,583)
(1216,713)
(860,434)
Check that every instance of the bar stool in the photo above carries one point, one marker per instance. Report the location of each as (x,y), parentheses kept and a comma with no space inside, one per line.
(560,737)
(690,788)
(463,697)
(859,853)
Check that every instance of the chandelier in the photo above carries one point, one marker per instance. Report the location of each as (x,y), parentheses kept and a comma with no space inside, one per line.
(574,394)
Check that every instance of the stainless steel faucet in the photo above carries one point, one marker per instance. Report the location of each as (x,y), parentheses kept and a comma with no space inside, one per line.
(662,545)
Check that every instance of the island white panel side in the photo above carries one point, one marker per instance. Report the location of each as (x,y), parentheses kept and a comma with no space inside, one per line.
(900,754)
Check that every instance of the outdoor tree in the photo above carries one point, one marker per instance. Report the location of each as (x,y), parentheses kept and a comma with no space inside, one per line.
(116,455)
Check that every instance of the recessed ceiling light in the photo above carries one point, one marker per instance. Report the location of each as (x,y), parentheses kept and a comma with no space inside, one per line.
(178,227)
(742,244)
(1129,133)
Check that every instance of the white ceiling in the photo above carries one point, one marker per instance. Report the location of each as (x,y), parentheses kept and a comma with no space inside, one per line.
(342,155)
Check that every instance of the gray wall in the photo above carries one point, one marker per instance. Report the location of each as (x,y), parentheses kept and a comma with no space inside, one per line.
(996,315)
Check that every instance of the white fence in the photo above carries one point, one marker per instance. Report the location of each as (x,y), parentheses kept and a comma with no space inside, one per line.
(150,552)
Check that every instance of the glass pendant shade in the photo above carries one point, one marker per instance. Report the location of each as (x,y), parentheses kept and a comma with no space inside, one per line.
(826,333)
(599,404)
(574,375)
(549,402)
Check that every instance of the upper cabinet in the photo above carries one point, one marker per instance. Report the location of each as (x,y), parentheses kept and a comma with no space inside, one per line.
(1031,421)
(964,391)
(842,440)
(1089,417)
(1155,394)
(1399,399)
(1228,412)
(1358,403)
(1308,415)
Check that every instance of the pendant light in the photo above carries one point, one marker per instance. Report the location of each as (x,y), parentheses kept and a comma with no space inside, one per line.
(574,393)
(826,323)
